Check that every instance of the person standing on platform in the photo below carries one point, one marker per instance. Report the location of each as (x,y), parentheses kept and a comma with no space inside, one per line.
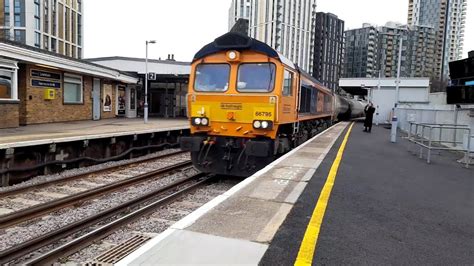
(369,117)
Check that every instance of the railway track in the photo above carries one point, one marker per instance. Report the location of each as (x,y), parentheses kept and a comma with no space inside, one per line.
(23,189)
(48,207)
(35,199)
(41,232)
(118,215)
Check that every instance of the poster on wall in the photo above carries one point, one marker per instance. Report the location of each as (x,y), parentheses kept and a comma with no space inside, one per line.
(107,94)
(132,99)
(121,101)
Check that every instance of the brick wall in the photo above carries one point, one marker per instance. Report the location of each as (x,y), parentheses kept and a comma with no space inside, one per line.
(35,109)
(9,114)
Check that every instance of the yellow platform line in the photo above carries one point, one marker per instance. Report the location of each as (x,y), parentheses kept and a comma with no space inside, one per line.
(308,245)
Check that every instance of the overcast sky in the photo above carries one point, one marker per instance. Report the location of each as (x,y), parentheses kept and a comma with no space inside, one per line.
(182,27)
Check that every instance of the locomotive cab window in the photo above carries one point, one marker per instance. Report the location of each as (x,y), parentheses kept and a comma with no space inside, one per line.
(287,83)
(259,77)
(212,77)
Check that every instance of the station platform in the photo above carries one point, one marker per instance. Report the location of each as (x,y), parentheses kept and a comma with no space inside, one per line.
(345,197)
(39,134)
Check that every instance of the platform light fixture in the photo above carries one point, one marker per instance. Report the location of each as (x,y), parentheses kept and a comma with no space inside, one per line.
(145,107)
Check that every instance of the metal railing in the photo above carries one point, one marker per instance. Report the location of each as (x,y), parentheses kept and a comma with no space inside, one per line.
(423,134)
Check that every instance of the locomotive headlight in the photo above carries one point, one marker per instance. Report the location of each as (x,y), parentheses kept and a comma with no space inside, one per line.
(232,55)
(265,124)
(200,121)
(197,121)
(257,124)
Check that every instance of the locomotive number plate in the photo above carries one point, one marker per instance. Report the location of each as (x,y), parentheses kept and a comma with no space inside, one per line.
(263,114)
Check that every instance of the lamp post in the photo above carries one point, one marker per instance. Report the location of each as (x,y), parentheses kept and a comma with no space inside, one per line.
(145,109)
(393,135)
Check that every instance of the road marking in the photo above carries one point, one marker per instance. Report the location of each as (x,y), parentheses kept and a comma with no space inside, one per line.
(310,239)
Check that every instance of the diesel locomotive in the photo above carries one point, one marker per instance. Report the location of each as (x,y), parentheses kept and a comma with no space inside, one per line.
(248,104)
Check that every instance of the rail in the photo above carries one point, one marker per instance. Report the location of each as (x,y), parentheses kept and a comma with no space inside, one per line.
(23,189)
(72,246)
(41,209)
(177,188)
(423,135)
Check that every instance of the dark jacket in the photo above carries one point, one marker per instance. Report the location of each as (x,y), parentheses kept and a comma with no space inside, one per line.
(369,115)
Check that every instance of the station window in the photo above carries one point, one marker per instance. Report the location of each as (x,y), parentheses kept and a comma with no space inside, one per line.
(287,83)
(73,92)
(5,84)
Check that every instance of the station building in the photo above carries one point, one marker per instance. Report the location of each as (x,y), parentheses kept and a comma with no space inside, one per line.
(167,83)
(37,86)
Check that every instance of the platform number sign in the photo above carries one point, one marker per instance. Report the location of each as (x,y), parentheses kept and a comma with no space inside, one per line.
(151,76)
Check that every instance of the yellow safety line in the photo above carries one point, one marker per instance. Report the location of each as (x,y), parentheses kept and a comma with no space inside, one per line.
(308,245)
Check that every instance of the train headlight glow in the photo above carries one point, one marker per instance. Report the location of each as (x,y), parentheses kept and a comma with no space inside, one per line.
(197,121)
(200,121)
(257,124)
(232,55)
(262,124)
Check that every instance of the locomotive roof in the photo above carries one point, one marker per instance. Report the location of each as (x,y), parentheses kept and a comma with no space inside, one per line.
(240,42)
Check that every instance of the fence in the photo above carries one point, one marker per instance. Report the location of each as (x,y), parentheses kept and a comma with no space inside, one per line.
(437,115)
(430,137)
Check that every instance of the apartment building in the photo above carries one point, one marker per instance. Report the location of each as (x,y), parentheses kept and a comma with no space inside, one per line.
(374,51)
(361,56)
(417,50)
(328,49)
(239,9)
(448,18)
(52,25)
(287,26)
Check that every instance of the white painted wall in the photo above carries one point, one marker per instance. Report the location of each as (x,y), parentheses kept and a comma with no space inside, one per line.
(382,92)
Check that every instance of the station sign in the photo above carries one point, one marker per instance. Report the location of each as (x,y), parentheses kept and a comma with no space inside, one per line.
(45,79)
(45,84)
(151,76)
(45,75)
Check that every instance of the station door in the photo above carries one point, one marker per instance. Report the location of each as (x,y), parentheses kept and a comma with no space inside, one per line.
(162,103)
